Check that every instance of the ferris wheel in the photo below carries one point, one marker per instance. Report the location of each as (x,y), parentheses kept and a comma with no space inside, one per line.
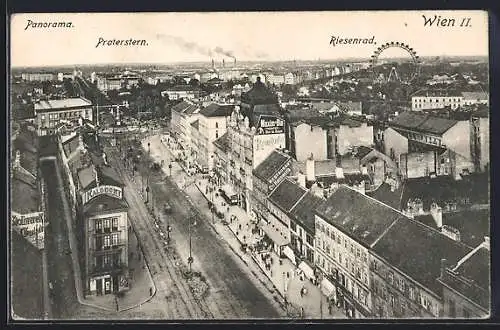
(403,71)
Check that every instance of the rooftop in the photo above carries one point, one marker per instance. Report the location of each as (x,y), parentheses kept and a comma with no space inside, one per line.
(185,107)
(48,105)
(416,250)
(86,177)
(422,122)
(271,165)
(475,96)
(361,217)
(259,94)
(217,110)
(388,197)
(287,194)
(474,187)
(473,225)
(303,211)
(24,197)
(104,203)
(222,142)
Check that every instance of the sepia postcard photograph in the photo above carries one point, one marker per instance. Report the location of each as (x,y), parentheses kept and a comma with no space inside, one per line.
(172,166)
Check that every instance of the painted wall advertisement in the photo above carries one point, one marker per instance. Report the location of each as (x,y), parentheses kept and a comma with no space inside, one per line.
(270,125)
(263,145)
(30,226)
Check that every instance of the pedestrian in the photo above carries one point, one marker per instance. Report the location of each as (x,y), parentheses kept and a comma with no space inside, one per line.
(228,209)
(330,308)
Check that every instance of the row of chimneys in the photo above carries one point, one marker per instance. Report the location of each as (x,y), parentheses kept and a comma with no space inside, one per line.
(223,63)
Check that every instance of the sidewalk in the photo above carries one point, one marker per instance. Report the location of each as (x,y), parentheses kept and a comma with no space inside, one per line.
(284,276)
(241,230)
(140,282)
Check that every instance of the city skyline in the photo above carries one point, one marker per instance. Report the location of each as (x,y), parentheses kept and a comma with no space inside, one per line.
(256,36)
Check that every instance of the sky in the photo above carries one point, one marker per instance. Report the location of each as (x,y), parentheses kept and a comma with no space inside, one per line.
(276,36)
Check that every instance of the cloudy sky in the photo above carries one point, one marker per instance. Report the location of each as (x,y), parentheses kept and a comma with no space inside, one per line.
(178,37)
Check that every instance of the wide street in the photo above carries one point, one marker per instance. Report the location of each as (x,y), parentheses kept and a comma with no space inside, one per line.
(233,292)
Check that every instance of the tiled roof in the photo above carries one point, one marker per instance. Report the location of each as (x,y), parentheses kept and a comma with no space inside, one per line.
(294,115)
(477,268)
(272,164)
(359,216)
(217,110)
(71,145)
(388,197)
(51,105)
(473,225)
(24,197)
(475,187)
(416,250)
(222,142)
(350,122)
(182,106)
(287,194)
(303,211)
(422,122)
(104,203)
(183,88)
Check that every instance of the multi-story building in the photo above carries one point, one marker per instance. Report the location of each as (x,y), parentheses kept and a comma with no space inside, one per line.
(467,284)
(221,160)
(182,92)
(38,76)
(212,125)
(435,100)
(50,113)
(266,177)
(351,133)
(445,143)
(347,225)
(405,265)
(26,210)
(469,98)
(109,82)
(480,140)
(255,130)
(183,114)
(103,211)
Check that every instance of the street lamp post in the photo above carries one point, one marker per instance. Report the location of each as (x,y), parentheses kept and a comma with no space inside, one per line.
(190,259)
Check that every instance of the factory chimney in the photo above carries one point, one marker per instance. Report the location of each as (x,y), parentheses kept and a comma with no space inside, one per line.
(235,61)
(223,64)
(213,64)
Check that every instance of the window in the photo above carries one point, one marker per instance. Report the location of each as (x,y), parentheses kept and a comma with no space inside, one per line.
(114,239)
(98,226)
(107,225)
(107,241)
(452,308)
(216,125)
(293,226)
(216,134)
(106,260)
(114,224)
(309,240)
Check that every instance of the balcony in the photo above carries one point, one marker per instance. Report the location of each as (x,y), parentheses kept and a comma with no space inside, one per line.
(112,268)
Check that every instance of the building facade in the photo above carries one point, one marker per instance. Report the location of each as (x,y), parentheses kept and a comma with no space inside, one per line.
(51,113)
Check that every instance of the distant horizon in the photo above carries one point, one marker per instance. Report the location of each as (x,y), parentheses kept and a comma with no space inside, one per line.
(230,62)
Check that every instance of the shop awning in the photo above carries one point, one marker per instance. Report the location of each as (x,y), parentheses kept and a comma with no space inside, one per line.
(327,287)
(308,271)
(289,253)
(273,234)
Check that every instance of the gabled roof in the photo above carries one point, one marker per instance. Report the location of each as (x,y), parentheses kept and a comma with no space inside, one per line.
(185,107)
(271,165)
(303,211)
(422,122)
(361,217)
(287,194)
(217,110)
(416,250)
